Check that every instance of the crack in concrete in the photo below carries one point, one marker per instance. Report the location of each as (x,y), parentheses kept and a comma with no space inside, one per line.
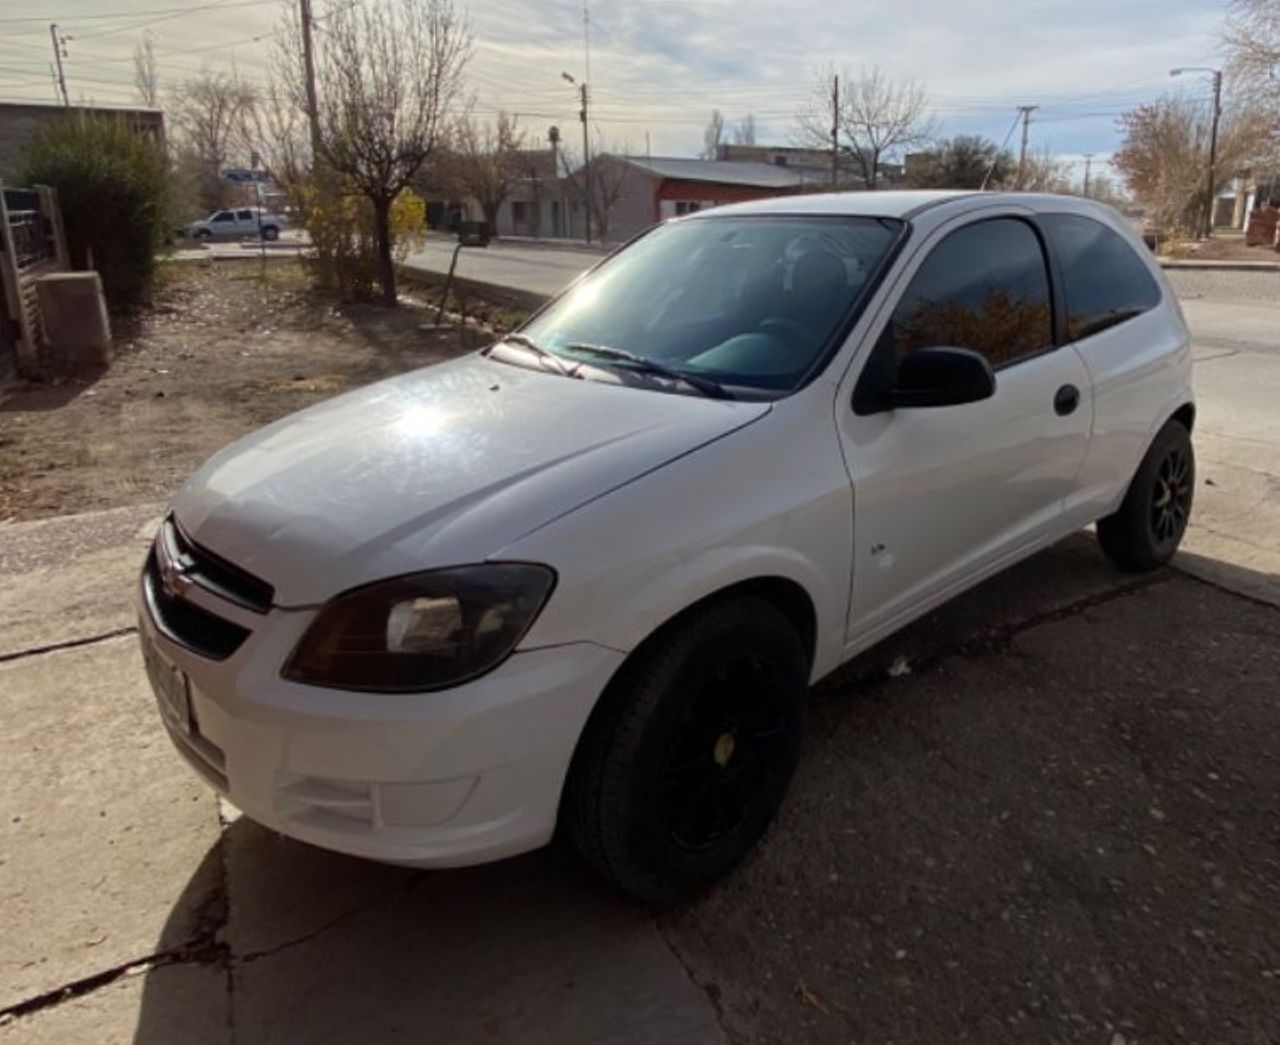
(54,647)
(711,990)
(201,952)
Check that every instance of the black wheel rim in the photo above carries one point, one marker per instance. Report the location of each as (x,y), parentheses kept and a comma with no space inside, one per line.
(1171,497)
(726,752)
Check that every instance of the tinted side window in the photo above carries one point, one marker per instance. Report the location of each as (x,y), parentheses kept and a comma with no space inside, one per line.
(223,215)
(244,215)
(1104,281)
(984,287)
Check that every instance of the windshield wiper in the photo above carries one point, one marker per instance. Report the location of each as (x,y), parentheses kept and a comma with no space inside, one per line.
(524,341)
(706,385)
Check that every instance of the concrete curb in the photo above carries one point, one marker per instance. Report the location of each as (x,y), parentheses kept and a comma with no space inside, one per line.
(1190,264)
(493,292)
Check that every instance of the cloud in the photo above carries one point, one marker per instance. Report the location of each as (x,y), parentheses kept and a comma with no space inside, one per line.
(659,66)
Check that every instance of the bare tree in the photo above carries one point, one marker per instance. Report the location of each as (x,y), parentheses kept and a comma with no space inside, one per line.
(745,132)
(1045,172)
(609,176)
(386,77)
(713,135)
(211,114)
(485,156)
(276,129)
(1163,156)
(1251,41)
(876,119)
(145,80)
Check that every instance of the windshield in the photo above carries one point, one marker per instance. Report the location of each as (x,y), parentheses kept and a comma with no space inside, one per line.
(751,302)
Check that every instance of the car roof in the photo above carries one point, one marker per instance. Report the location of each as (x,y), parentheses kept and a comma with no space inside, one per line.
(896,204)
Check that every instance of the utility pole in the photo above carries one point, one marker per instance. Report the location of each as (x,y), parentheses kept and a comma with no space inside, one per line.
(835,130)
(1026,111)
(59,52)
(1088,160)
(586,155)
(557,223)
(586,141)
(1213,151)
(309,72)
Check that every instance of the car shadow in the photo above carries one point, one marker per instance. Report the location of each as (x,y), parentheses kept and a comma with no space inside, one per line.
(53,393)
(301,944)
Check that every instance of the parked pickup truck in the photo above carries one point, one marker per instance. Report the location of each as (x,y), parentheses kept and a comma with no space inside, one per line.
(233,224)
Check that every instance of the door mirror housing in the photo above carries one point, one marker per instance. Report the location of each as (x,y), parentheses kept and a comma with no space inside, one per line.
(942,376)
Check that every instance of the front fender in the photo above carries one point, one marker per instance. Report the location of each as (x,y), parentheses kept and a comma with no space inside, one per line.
(771,500)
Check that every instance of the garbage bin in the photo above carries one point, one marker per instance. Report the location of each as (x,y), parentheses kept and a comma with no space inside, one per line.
(473,233)
(73,316)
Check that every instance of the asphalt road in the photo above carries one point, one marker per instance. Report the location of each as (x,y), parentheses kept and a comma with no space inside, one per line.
(536,269)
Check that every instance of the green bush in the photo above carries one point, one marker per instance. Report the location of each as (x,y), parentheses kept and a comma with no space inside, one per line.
(111,182)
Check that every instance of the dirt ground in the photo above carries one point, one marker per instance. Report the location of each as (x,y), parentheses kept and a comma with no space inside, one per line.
(1067,830)
(225,350)
(1225,246)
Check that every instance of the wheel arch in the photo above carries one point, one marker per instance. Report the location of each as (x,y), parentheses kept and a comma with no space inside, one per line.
(784,593)
(1186,416)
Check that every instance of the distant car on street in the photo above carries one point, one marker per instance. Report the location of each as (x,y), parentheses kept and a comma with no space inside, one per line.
(235,224)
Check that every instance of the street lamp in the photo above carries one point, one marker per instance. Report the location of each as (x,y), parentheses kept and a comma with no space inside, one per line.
(1213,133)
(586,148)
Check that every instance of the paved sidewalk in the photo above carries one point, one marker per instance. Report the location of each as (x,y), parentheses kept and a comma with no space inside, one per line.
(137,907)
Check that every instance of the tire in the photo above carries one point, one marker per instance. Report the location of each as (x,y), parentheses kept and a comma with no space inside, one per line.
(1148,527)
(270,233)
(686,760)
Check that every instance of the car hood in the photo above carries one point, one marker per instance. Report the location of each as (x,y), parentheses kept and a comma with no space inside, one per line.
(441,466)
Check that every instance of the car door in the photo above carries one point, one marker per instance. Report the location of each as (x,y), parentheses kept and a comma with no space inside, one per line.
(223,223)
(1113,320)
(246,223)
(945,495)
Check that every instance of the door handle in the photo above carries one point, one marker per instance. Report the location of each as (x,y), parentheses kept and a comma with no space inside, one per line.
(1065,400)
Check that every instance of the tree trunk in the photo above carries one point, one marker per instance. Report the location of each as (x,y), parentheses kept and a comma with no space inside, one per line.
(382,234)
(490,210)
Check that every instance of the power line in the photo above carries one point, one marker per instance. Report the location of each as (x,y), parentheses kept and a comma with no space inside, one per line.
(102,16)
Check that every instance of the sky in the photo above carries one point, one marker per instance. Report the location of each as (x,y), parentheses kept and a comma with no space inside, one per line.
(658,67)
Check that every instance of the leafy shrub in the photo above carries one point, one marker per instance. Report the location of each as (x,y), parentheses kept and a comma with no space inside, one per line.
(110,180)
(341,226)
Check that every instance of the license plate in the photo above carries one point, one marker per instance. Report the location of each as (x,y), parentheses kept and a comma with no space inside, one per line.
(170,685)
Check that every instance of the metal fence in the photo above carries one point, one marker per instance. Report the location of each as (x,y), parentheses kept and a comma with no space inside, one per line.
(31,244)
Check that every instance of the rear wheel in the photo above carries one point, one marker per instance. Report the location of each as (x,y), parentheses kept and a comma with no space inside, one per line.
(686,761)
(270,232)
(1148,527)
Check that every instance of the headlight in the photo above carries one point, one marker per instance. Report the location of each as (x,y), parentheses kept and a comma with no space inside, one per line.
(422,631)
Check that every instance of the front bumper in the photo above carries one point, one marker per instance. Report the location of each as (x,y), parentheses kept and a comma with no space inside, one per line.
(450,778)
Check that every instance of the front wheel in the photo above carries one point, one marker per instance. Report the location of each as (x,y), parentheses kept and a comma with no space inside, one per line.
(686,760)
(1148,527)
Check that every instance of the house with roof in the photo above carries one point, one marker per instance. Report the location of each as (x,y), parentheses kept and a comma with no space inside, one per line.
(633,192)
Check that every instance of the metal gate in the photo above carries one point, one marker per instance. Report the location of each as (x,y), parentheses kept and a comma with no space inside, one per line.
(32,243)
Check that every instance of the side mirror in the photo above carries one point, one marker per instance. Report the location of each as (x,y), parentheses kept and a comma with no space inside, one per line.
(942,377)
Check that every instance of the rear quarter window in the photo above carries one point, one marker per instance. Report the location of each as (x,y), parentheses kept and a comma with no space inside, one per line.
(1104,280)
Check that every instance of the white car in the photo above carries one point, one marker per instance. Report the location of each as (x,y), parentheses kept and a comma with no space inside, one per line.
(236,224)
(585,576)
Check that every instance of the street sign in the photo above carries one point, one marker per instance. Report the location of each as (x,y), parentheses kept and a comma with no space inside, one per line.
(244,176)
